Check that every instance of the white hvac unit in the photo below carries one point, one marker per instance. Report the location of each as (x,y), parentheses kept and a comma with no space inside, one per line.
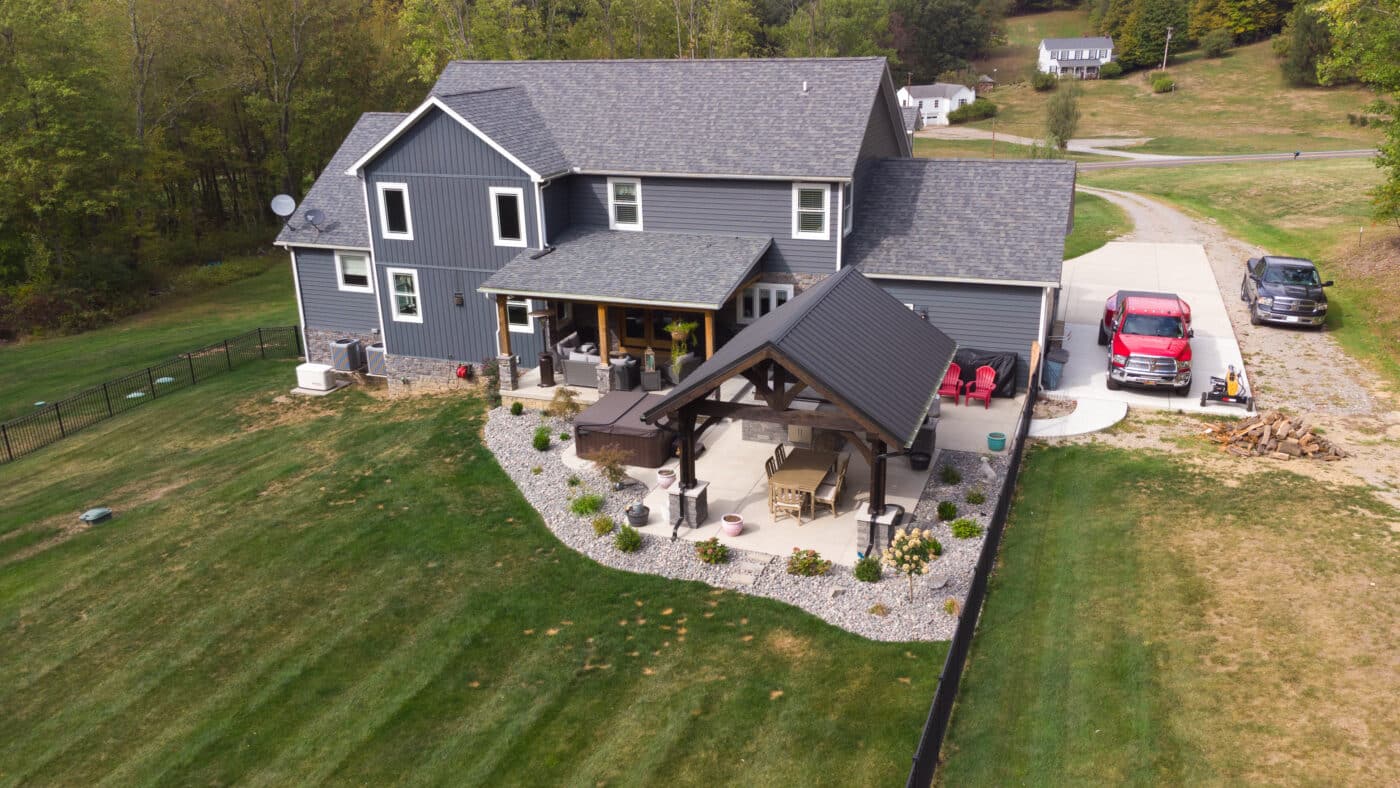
(316,377)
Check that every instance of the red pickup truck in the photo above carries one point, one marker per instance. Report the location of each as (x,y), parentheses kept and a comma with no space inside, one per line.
(1150,340)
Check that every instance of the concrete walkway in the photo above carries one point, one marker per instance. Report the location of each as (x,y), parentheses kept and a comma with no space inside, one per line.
(1091,415)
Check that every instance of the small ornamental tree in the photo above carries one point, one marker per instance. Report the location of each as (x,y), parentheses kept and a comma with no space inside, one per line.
(911,552)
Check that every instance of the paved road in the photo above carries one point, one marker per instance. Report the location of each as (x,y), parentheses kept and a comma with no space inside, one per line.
(1186,161)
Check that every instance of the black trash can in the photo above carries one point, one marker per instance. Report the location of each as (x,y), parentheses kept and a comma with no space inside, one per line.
(546,369)
(1055,362)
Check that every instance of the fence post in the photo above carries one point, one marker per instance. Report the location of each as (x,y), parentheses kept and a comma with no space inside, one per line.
(189,359)
(296,337)
(107,396)
(61,432)
(227,357)
(151,379)
(262,349)
(4,433)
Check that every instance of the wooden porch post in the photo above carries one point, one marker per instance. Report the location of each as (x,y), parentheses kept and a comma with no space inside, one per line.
(709,334)
(604,352)
(503,321)
(877,477)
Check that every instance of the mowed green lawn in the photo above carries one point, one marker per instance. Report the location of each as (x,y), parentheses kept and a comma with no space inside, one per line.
(51,368)
(1155,621)
(350,590)
(1096,222)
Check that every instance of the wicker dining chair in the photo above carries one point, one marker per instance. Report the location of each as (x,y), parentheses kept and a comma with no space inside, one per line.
(829,493)
(787,501)
(770,466)
(780,455)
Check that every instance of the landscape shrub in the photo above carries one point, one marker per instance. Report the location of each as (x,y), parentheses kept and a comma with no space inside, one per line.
(711,551)
(517,408)
(541,441)
(537,470)
(627,539)
(807,563)
(950,606)
(966,528)
(911,552)
(1110,70)
(565,404)
(563,436)
(979,109)
(574,481)
(976,497)
(1043,82)
(1217,42)
(603,525)
(949,475)
(868,569)
(586,504)
(947,510)
(878,609)
(611,462)
(1162,82)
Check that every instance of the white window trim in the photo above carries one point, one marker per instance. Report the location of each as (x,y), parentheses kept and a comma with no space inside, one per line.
(340,272)
(774,287)
(519,195)
(384,231)
(825,234)
(529,327)
(848,217)
(393,302)
(612,215)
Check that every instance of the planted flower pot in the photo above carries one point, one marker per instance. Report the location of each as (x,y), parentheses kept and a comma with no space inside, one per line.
(732,524)
(637,515)
(666,477)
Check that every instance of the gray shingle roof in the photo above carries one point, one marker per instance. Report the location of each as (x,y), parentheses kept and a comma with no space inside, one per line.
(698,271)
(704,117)
(339,195)
(936,90)
(1097,42)
(507,116)
(964,219)
(913,121)
(850,336)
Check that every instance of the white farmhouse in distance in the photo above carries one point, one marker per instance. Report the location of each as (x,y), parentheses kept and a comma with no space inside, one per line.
(935,101)
(1074,57)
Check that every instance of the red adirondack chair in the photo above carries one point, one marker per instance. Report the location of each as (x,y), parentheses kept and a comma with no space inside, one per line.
(982,387)
(952,384)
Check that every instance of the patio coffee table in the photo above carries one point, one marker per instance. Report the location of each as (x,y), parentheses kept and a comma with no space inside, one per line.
(804,470)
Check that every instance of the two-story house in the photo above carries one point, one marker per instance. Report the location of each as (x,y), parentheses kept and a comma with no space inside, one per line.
(600,200)
(935,101)
(1074,57)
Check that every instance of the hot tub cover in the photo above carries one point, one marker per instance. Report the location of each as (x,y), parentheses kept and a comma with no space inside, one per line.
(620,413)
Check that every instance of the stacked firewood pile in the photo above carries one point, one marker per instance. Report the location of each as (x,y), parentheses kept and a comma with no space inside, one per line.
(1274,435)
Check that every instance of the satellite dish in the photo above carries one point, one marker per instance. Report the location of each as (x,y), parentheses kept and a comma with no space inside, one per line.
(283,205)
(314,217)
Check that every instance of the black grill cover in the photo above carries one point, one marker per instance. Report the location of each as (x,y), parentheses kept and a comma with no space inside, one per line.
(969,359)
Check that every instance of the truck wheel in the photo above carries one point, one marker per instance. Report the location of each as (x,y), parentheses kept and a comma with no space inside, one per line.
(1103,336)
(1203,399)
(1112,384)
(1244,290)
(1254,319)
(1182,391)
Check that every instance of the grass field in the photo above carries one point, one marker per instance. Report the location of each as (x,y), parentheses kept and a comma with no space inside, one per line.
(350,590)
(1127,642)
(1308,208)
(1235,104)
(53,367)
(1096,222)
(937,148)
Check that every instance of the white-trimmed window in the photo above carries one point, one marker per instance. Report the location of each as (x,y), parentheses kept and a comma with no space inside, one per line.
(760,299)
(810,204)
(352,272)
(508,215)
(518,315)
(405,304)
(847,207)
(624,203)
(395,216)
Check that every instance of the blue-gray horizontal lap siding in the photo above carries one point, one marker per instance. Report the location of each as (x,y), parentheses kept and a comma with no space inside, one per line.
(1002,318)
(449,172)
(323,303)
(702,205)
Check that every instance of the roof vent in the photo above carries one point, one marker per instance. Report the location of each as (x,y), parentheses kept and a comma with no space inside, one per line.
(804,86)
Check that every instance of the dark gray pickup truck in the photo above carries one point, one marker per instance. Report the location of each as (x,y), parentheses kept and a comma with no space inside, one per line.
(1284,290)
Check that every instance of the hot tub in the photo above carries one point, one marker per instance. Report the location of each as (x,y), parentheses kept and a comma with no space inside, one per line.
(616,420)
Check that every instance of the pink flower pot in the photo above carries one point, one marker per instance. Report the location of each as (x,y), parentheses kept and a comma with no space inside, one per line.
(732,525)
(665,478)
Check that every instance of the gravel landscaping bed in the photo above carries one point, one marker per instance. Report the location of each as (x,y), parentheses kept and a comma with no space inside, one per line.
(836,597)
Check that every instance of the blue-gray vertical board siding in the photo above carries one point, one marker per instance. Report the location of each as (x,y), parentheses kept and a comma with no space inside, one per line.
(707,205)
(556,207)
(448,331)
(449,172)
(325,305)
(1003,318)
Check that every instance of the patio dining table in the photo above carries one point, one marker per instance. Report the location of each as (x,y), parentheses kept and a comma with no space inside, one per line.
(804,470)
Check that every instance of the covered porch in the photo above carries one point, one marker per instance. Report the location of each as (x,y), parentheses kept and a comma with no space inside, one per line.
(610,301)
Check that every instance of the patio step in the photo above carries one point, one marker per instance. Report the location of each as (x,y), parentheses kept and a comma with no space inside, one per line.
(747,570)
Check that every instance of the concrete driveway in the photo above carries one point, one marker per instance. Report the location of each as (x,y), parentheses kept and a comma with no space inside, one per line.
(1178,268)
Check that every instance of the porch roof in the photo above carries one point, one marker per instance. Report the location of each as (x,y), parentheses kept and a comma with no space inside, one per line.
(656,268)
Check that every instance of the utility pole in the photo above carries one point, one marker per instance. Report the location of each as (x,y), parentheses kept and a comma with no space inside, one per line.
(1166,48)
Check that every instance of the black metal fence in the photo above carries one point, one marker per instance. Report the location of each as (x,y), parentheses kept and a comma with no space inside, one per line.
(57,420)
(941,711)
